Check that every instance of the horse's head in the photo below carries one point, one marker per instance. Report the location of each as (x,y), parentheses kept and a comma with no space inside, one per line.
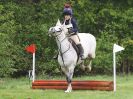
(58,29)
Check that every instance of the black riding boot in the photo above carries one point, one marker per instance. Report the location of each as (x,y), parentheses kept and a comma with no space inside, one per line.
(81,51)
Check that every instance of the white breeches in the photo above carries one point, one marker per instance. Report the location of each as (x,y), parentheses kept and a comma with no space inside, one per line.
(75,38)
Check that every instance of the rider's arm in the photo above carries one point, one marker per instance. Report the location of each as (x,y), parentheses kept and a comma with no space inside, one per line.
(75,27)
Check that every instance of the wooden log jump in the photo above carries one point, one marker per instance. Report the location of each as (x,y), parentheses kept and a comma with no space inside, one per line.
(76,85)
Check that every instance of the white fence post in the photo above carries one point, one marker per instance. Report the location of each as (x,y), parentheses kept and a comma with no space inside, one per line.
(33,69)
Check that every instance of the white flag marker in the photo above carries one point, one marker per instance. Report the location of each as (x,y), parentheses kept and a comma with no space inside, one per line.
(116,48)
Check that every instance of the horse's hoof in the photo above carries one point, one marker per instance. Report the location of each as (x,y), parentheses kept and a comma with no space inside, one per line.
(82,67)
(88,68)
(67,91)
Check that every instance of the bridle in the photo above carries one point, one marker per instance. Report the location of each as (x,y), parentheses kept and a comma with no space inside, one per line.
(57,38)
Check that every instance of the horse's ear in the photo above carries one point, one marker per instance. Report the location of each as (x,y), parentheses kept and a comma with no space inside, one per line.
(58,23)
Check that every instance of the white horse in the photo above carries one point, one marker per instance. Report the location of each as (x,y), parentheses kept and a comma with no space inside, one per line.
(67,56)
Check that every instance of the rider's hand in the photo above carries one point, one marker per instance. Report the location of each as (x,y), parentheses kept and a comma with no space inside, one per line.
(70,30)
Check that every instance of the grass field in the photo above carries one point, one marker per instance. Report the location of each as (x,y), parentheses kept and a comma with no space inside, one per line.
(21,89)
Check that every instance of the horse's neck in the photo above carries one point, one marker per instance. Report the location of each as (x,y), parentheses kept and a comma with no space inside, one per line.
(63,43)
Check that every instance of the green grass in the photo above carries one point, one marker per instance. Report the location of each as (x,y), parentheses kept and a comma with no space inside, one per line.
(21,89)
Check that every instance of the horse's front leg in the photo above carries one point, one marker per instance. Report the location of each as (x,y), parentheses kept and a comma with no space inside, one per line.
(69,77)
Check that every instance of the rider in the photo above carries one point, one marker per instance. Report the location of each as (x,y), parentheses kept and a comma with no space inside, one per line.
(71,24)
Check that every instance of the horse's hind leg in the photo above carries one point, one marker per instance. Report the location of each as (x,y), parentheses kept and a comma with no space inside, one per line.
(82,66)
(88,67)
(90,57)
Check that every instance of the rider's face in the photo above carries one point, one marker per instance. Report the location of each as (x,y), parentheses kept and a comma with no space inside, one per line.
(67,17)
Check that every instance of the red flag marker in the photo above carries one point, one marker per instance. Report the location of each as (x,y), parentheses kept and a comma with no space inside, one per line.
(31,48)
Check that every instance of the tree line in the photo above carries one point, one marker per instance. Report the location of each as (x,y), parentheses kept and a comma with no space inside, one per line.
(23,22)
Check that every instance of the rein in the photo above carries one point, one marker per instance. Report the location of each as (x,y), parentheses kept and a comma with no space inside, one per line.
(61,53)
